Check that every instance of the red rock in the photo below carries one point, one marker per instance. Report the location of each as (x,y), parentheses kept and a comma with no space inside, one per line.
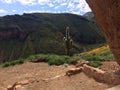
(107,14)
(99,75)
(9,87)
(73,71)
(94,72)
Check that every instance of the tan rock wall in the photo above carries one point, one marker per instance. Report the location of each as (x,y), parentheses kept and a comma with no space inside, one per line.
(107,13)
(107,77)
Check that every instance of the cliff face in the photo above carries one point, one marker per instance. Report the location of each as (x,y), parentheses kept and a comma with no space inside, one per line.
(107,13)
(9,34)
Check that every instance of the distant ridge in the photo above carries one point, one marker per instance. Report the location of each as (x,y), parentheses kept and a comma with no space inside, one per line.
(22,35)
(89,14)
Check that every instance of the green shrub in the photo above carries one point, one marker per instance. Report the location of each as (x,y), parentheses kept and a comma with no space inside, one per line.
(94,58)
(31,57)
(13,62)
(57,60)
(21,61)
(53,59)
(95,63)
(6,64)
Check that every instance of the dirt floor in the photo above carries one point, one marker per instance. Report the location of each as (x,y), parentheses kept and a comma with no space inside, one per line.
(110,66)
(42,72)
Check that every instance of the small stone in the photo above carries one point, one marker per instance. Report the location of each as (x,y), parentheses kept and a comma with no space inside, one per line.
(9,87)
(73,71)
(66,65)
(19,87)
(24,82)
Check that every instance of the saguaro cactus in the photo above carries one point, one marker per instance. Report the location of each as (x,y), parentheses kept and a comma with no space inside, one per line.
(68,41)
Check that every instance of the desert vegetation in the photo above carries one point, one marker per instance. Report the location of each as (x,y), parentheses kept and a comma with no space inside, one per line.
(95,56)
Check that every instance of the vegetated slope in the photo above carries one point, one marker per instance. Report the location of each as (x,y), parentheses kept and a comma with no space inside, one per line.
(22,35)
(97,55)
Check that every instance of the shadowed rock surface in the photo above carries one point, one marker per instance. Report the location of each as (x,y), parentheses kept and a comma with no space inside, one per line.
(107,13)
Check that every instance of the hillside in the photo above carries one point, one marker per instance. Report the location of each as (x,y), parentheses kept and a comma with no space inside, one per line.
(22,35)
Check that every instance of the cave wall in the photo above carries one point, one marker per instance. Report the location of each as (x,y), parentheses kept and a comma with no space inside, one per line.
(107,14)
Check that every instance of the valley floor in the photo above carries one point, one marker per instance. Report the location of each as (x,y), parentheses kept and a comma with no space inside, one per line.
(41,71)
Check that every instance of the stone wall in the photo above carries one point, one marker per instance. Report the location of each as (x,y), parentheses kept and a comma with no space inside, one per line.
(112,78)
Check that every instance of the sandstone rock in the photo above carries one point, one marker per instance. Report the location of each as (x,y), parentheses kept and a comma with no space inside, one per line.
(9,87)
(107,14)
(112,78)
(114,88)
(73,71)
(12,87)
(19,87)
(93,72)
(24,82)
(80,63)
(100,75)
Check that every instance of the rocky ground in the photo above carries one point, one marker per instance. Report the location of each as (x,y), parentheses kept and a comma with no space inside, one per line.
(45,77)
(109,66)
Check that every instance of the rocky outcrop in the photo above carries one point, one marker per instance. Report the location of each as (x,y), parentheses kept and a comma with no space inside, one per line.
(9,33)
(107,13)
(112,78)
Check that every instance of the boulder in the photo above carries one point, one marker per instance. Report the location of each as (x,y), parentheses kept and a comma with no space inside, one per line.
(95,73)
(73,71)
(102,76)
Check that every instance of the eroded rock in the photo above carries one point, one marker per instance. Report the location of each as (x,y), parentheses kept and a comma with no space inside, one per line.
(18,85)
(102,76)
(94,72)
(80,63)
(114,88)
(107,14)
(73,71)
